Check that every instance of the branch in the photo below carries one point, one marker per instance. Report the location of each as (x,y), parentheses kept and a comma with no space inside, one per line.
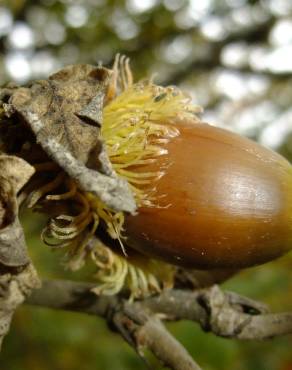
(137,324)
(225,314)
(154,336)
(142,329)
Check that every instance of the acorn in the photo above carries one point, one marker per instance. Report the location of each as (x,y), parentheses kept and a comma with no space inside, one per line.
(228,202)
(206,198)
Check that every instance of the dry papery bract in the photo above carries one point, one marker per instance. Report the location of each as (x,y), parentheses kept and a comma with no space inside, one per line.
(17,275)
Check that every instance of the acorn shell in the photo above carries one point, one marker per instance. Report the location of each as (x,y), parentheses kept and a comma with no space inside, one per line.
(227,202)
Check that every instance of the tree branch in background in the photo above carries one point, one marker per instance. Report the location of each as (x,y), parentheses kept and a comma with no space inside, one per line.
(225,314)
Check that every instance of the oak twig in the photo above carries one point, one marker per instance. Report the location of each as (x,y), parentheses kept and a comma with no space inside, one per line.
(225,314)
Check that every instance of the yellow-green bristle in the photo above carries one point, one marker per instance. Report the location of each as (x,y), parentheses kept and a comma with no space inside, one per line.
(137,124)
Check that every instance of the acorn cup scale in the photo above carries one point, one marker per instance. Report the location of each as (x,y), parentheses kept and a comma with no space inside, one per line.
(225,202)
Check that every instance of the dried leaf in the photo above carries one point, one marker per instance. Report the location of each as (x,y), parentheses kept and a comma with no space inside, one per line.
(17,275)
(15,286)
(17,172)
(65,114)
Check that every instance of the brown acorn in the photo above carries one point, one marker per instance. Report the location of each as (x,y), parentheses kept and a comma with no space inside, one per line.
(206,198)
(228,202)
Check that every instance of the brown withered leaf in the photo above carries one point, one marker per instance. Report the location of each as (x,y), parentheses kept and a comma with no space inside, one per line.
(17,275)
(15,285)
(15,172)
(65,114)
(12,243)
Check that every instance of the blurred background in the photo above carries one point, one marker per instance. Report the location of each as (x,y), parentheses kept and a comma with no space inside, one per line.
(234,57)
